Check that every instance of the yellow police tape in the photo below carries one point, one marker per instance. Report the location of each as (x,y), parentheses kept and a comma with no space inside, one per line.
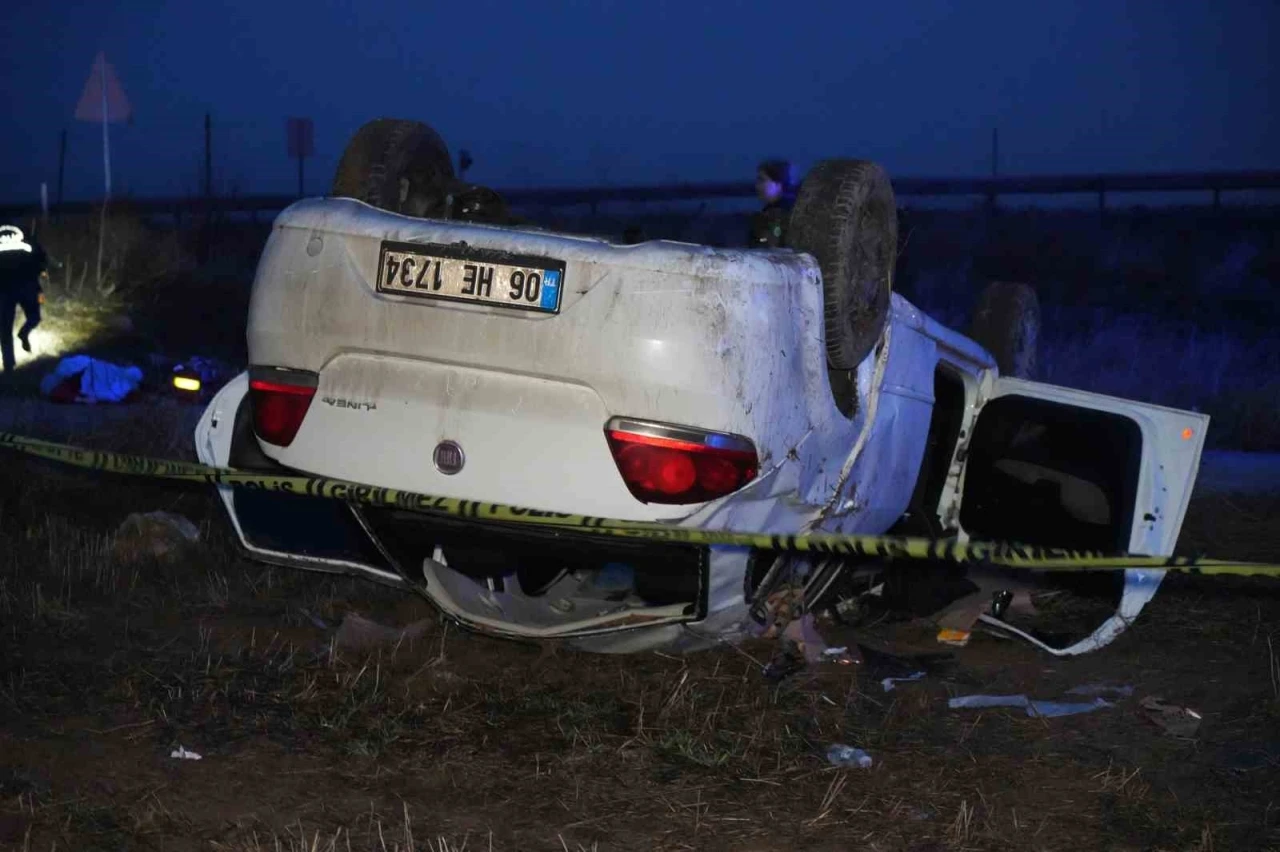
(874,546)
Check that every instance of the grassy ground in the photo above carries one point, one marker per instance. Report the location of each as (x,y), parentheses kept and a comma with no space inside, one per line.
(109,661)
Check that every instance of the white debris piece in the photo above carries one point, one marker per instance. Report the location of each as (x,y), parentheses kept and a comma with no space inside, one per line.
(888,683)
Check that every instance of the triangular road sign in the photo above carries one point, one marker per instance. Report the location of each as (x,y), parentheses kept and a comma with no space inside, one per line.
(92,103)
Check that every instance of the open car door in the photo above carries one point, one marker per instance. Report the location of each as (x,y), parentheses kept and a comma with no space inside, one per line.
(1059,467)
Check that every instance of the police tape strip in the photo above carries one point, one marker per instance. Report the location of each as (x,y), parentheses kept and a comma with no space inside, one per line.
(873,546)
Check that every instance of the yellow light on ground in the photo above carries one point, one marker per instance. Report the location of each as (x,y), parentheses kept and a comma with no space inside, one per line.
(186,383)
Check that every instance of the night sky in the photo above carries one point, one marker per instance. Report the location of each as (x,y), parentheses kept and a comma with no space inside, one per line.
(593,91)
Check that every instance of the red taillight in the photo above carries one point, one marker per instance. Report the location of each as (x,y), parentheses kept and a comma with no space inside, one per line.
(279,408)
(664,464)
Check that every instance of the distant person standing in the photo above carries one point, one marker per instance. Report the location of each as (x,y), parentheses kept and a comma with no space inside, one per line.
(22,262)
(775,187)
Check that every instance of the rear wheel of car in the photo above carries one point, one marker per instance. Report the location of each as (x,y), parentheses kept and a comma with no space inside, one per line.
(846,217)
(397,165)
(1007,324)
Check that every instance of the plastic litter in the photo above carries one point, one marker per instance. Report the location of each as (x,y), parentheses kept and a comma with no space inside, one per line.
(181,753)
(1176,721)
(888,683)
(1101,689)
(79,378)
(1047,709)
(843,755)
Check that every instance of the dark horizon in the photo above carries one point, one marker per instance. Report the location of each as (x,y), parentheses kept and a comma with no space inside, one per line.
(596,94)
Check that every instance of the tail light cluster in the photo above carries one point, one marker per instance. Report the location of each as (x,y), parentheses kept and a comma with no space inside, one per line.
(280,400)
(673,464)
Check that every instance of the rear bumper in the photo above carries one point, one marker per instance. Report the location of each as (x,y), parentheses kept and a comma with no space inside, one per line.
(399,548)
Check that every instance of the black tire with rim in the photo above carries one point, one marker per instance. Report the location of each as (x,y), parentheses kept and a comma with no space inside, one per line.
(846,217)
(1007,324)
(397,165)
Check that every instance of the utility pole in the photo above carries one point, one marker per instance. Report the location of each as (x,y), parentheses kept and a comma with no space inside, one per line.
(300,138)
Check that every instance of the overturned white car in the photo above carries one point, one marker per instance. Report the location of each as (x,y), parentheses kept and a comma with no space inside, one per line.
(396,341)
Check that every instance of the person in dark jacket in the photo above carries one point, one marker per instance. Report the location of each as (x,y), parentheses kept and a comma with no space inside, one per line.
(22,262)
(775,187)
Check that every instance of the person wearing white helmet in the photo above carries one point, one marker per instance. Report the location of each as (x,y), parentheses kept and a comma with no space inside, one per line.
(22,262)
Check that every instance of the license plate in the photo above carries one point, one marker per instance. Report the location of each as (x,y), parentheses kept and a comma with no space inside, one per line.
(455,274)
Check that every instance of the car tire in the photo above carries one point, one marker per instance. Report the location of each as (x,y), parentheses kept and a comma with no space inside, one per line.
(1006,323)
(846,217)
(396,165)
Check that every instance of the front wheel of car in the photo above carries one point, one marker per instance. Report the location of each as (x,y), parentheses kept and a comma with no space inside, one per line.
(396,165)
(846,217)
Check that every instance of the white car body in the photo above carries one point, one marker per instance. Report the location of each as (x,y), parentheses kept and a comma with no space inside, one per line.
(728,341)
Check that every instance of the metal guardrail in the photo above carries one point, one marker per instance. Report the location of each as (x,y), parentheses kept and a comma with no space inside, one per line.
(990,188)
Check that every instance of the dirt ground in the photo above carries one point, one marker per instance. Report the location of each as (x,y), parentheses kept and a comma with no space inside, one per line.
(111,660)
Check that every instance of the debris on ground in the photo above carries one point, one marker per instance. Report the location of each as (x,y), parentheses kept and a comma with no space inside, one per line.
(181,753)
(156,535)
(1089,689)
(1176,721)
(1047,709)
(786,662)
(797,632)
(199,376)
(803,633)
(209,370)
(881,663)
(888,683)
(802,646)
(86,380)
(996,595)
(356,631)
(841,656)
(843,755)
(780,609)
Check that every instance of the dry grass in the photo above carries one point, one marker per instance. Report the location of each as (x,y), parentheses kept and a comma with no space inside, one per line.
(135,255)
(458,742)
